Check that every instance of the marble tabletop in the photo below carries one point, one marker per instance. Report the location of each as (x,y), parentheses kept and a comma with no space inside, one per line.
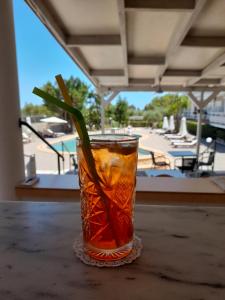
(183,255)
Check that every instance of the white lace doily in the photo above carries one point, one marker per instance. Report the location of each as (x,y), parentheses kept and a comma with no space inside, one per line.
(78,248)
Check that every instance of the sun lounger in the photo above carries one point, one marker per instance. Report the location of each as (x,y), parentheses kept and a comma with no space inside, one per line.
(160,131)
(177,141)
(176,136)
(167,135)
(186,139)
(58,134)
(50,133)
(185,144)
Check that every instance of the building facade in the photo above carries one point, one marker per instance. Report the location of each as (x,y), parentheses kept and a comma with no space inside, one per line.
(214,112)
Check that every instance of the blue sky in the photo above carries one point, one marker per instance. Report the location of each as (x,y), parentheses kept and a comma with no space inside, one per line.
(40,58)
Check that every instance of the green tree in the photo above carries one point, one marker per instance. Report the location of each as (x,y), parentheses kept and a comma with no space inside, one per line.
(153,117)
(79,92)
(133,111)
(178,104)
(77,89)
(93,111)
(54,91)
(121,111)
(169,104)
(30,109)
(110,113)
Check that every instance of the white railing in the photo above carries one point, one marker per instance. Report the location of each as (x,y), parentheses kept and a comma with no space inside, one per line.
(217,120)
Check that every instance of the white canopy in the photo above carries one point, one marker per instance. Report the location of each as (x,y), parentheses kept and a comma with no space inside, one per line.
(54,120)
(171,123)
(165,123)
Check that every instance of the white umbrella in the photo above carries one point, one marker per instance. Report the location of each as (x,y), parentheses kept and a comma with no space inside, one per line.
(28,120)
(54,120)
(165,123)
(171,124)
(183,127)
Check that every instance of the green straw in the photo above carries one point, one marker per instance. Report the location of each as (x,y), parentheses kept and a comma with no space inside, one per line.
(80,126)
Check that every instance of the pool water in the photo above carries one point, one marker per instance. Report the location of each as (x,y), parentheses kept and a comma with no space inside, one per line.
(143,151)
(71,146)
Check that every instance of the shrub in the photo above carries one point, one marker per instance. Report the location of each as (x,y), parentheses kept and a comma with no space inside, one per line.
(207,130)
(221,134)
(192,127)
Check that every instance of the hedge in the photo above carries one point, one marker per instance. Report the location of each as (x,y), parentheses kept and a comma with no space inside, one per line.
(207,130)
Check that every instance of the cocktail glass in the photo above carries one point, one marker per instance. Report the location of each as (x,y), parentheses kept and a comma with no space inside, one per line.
(107,206)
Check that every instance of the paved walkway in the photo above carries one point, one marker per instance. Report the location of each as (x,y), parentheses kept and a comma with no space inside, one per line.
(160,143)
(46,160)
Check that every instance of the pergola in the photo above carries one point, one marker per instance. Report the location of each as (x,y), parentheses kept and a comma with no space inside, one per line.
(131,45)
(145,45)
(136,45)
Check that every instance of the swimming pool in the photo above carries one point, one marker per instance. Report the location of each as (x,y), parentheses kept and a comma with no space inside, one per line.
(71,146)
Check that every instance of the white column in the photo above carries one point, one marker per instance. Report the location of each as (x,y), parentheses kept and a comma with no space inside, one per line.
(199,128)
(199,132)
(100,93)
(11,147)
(200,105)
(102,115)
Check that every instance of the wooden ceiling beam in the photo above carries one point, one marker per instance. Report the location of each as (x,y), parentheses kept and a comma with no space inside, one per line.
(160,4)
(222,81)
(110,98)
(146,60)
(181,73)
(106,72)
(141,81)
(204,41)
(208,81)
(219,61)
(182,30)
(165,88)
(93,40)
(123,35)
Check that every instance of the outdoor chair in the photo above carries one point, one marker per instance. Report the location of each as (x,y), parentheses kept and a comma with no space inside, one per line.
(159,164)
(187,164)
(207,159)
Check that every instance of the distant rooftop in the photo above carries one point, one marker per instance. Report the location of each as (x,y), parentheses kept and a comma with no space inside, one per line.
(136,118)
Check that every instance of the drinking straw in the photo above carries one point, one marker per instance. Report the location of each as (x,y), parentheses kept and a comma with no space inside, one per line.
(80,126)
(79,123)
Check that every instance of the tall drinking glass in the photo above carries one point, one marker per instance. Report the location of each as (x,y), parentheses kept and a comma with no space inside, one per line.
(107,206)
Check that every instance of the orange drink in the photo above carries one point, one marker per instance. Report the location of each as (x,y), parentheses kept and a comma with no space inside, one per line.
(107,205)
